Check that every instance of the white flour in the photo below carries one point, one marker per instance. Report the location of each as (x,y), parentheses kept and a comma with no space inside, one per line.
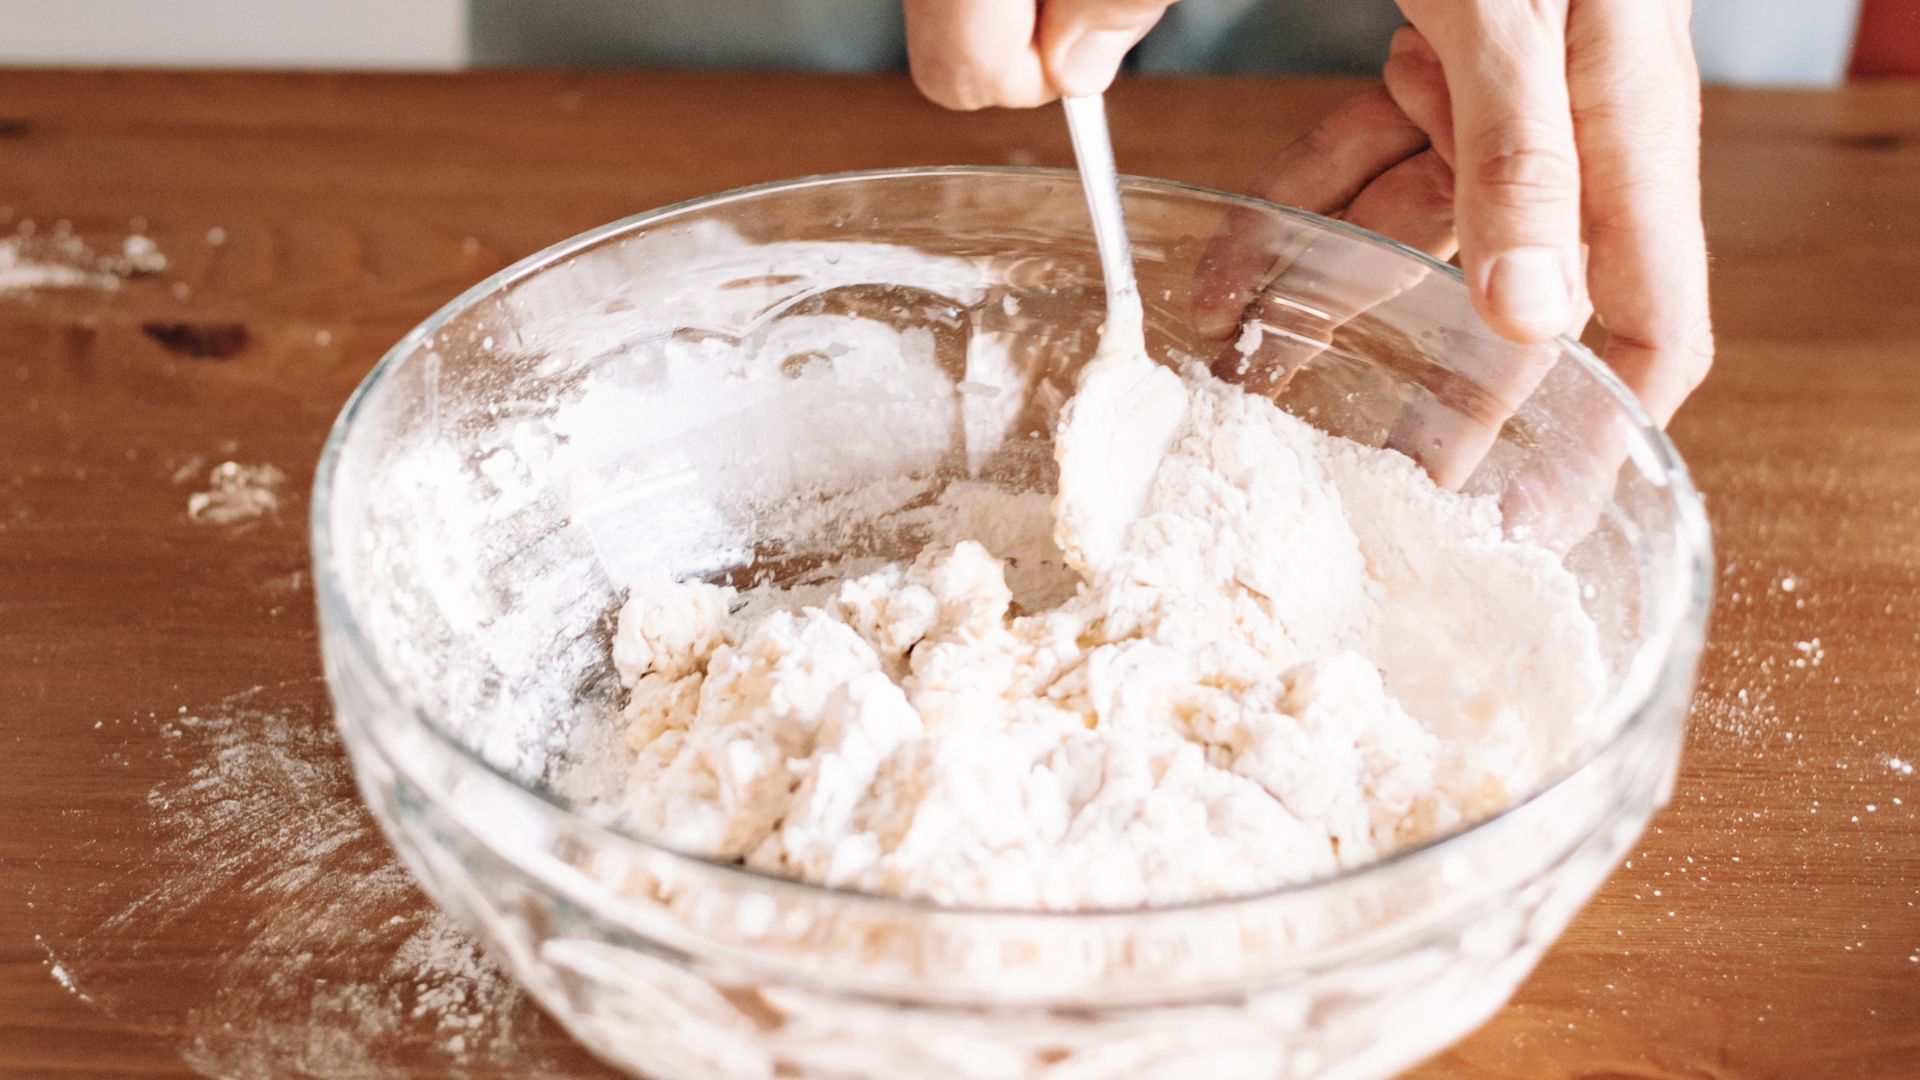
(309,951)
(236,493)
(920,722)
(59,260)
(1290,654)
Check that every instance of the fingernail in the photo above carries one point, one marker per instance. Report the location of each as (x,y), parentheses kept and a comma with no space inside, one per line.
(1531,289)
(1088,65)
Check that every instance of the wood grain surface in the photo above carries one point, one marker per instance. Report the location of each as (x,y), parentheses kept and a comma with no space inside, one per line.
(187,885)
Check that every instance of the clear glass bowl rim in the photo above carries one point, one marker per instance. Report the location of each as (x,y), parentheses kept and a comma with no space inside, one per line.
(1679,639)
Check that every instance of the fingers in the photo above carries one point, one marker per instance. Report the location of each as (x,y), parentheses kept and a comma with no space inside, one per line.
(1635,95)
(1323,287)
(1450,428)
(1518,169)
(971,54)
(1323,171)
(1418,84)
(1634,91)
(1366,161)
(1412,203)
(1083,41)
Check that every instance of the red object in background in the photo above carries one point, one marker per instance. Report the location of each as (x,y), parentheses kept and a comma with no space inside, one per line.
(1888,41)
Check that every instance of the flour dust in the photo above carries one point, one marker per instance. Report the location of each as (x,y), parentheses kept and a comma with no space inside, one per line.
(32,258)
(266,924)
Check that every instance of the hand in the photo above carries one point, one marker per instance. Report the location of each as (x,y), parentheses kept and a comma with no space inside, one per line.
(1531,126)
(970,54)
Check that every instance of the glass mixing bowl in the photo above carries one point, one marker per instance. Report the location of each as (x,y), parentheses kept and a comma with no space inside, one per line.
(641,399)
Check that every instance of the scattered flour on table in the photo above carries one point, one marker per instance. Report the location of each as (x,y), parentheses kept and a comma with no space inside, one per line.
(236,493)
(58,971)
(57,259)
(305,948)
(1288,654)
(1743,706)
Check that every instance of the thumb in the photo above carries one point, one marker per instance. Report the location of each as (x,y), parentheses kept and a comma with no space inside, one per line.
(1517,166)
(1082,42)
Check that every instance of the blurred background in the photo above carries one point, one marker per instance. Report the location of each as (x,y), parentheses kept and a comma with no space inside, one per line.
(1800,42)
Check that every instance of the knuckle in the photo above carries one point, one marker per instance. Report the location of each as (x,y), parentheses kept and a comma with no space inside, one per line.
(1686,355)
(1410,79)
(973,87)
(1436,180)
(1628,210)
(967,85)
(941,88)
(1696,353)
(1333,143)
(1408,43)
(1528,174)
(1321,146)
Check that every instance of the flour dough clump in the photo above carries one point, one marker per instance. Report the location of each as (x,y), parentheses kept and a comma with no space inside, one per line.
(1288,654)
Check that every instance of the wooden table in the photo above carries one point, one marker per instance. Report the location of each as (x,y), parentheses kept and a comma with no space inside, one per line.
(187,884)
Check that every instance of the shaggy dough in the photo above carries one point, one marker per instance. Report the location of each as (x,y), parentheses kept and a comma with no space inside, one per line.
(1288,654)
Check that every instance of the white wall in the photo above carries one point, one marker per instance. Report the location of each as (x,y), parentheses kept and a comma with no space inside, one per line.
(1807,42)
(1765,41)
(235,33)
